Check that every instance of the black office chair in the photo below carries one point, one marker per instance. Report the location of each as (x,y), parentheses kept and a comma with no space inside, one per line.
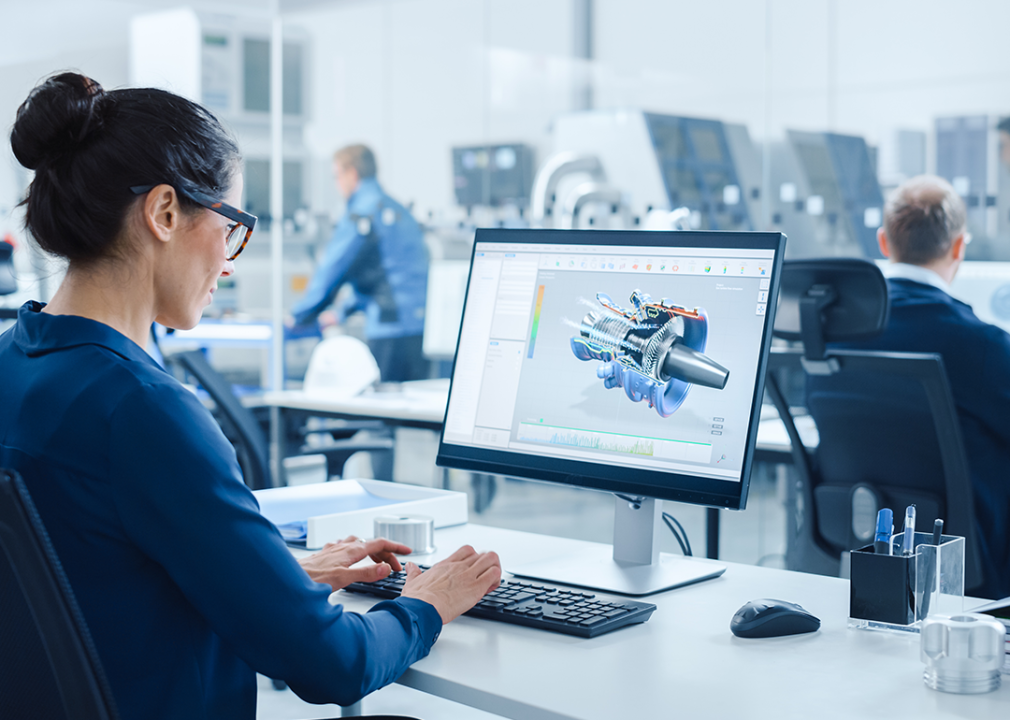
(49,667)
(246,434)
(889,429)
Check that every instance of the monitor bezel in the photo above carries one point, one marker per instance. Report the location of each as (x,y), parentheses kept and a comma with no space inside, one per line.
(632,481)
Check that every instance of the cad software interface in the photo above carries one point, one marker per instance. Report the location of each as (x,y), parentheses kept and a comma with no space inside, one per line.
(612,354)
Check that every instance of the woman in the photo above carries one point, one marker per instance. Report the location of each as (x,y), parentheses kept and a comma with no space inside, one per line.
(186,588)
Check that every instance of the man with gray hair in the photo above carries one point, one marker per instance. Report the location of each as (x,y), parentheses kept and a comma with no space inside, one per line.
(925,236)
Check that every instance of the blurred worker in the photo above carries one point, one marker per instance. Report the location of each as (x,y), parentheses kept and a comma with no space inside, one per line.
(378,249)
(924,236)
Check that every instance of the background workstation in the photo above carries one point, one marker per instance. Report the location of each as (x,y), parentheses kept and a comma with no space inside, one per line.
(785,115)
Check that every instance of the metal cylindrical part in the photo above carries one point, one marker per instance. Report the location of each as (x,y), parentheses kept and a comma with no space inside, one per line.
(691,366)
(963,654)
(415,531)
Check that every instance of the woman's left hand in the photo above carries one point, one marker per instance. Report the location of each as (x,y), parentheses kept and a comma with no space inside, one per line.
(332,564)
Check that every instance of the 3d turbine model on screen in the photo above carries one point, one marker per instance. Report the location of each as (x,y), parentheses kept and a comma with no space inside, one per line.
(655,351)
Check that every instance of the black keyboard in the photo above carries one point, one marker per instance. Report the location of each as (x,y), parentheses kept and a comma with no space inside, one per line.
(572,612)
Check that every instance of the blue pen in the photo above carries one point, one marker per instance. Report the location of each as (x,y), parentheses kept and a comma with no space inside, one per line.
(885,527)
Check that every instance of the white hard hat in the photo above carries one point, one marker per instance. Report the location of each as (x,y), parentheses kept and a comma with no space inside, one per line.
(341,365)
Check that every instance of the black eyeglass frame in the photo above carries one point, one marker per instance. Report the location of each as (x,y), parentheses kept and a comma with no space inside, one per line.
(221,208)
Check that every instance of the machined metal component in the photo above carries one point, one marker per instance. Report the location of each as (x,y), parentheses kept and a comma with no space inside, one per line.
(963,654)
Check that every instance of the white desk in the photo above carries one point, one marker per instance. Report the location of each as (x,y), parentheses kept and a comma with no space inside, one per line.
(684,662)
(422,403)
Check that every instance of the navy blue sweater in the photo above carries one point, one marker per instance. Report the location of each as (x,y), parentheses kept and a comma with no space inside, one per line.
(187,589)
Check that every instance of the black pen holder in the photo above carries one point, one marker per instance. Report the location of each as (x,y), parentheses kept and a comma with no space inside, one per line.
(895,592)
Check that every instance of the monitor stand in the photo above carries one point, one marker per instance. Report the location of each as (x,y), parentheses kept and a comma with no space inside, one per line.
(634,566)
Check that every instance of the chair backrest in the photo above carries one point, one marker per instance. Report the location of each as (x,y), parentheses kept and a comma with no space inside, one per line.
(889,430)
(8,282)
(245,431)
(48,664)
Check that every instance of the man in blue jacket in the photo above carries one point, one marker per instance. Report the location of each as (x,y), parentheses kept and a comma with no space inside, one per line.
(924,235)
(378,249)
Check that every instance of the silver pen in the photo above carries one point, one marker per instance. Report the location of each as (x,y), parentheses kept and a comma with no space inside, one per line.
(908,540)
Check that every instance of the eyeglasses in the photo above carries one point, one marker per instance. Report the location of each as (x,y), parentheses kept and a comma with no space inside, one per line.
(237,239)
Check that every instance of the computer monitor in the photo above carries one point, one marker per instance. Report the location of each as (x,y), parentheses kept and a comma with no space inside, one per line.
(624,361)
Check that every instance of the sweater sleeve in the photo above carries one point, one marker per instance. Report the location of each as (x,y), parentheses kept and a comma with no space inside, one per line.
(181,499)
(331,272)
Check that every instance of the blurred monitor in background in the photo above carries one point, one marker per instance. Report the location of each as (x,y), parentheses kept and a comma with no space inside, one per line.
(493,175)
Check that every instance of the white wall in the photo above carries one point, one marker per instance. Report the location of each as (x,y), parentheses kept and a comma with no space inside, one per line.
(897,63)
(44,37)
(415,77)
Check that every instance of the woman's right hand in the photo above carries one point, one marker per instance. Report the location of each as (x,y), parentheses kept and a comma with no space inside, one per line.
(455,584)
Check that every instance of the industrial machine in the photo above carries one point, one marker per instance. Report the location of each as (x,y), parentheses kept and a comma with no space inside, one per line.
(825,195)
(629,168)
(967,155)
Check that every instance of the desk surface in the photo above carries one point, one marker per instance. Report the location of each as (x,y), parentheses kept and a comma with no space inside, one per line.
(425,400)
(421,401)
(684,662)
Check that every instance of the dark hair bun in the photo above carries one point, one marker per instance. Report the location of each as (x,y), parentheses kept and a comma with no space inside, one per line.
(57,116)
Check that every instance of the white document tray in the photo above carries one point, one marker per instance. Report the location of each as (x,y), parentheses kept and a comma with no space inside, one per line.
(286,504)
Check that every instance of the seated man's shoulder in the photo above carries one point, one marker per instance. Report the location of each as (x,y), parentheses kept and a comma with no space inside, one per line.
(949,322)
(909,298)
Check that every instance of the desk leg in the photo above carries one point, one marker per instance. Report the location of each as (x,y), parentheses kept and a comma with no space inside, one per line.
(712,533)
(351,710)
(277,434)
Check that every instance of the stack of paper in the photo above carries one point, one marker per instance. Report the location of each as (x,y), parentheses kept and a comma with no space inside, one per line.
(315,514)
(290,508)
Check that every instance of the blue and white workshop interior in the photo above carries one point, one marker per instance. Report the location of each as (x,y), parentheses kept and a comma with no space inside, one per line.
(665,343)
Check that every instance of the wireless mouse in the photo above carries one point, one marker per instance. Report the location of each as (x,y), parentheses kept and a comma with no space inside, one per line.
(772,618)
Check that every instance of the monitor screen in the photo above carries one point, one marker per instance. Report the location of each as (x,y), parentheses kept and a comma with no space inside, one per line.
(626,361)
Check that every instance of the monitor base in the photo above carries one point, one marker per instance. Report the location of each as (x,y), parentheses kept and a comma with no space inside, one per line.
(633,565)
(597,570)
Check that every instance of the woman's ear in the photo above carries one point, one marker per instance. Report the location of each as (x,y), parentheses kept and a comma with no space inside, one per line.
(161,211)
